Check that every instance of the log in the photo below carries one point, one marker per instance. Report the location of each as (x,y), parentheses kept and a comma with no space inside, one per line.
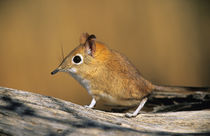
(179,99)
(30,114)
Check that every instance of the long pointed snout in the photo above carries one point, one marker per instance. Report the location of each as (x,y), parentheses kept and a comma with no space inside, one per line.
(55,71)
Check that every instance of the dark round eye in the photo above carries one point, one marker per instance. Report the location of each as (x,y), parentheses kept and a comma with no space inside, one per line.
(77,59)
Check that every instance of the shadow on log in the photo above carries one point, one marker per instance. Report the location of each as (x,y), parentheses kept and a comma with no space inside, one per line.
(25,113)
(180,99)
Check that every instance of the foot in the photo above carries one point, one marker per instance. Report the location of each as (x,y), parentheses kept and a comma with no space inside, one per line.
(130,115)
(92,104)
(135,113)
(88,106)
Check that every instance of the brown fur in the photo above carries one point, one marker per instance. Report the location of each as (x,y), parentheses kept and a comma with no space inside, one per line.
(117,77)
(111,75)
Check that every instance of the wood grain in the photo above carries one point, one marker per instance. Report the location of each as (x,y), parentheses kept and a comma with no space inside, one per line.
(25,113)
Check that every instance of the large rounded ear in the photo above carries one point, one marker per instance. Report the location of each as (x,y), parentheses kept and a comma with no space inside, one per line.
(90,45)
(83,38)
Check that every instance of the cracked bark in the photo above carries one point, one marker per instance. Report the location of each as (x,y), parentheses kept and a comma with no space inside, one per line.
(26,113)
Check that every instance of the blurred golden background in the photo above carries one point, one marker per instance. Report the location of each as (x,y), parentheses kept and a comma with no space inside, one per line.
(168,41)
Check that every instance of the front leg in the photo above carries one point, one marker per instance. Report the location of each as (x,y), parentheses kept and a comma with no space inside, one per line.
(92,104)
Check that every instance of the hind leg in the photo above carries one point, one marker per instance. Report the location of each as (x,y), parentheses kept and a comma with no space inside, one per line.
(135,113)
(92,104)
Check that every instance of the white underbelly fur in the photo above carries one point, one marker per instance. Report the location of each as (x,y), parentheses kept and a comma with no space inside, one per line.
(84,82)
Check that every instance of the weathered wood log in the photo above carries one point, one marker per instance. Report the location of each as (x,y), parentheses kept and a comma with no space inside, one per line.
(25,113)
(180,99)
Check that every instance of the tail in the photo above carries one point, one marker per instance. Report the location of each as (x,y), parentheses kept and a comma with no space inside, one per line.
(180,91)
